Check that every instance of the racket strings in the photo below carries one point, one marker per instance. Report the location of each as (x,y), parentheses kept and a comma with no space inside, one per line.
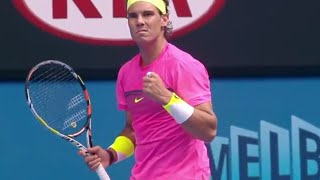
(76,100)
(58,98)
(43,89)
(74,118)
(60,76)
(43,72)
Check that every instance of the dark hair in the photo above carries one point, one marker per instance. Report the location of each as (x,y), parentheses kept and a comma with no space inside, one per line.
(168,30)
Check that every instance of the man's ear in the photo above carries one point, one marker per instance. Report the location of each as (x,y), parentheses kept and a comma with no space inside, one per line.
(164,20)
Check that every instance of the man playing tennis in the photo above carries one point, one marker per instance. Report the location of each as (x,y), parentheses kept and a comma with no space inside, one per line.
(166,96)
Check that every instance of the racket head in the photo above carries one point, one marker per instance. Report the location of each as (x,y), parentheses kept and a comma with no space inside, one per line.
(58,98)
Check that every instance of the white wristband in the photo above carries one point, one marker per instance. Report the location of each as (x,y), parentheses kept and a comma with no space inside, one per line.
(179,109)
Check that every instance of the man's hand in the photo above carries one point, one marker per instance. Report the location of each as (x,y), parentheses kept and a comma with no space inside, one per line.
(154,87)
(99,155)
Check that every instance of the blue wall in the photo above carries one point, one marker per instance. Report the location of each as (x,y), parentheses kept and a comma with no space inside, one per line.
(250,109)
(238,103)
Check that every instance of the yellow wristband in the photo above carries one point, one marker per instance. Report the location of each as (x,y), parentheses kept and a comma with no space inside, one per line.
(123,147)
(179,109)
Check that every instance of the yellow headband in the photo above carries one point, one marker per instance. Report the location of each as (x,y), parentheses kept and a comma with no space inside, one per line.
(157,3)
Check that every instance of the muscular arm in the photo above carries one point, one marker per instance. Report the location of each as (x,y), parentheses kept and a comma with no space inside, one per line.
(127,132)
(203,122)
(103,156)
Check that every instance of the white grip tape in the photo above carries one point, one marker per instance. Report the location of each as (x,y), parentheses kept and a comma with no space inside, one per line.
(103,175)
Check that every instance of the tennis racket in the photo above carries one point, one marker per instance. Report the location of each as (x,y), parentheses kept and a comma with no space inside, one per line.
(60,101)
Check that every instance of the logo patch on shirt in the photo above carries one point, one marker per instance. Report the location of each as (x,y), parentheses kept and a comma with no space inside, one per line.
(136,100)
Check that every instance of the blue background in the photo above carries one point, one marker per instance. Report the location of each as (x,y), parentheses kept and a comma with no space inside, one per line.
(38,154)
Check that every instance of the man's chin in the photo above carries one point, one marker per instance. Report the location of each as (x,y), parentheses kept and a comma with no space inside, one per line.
(143,40)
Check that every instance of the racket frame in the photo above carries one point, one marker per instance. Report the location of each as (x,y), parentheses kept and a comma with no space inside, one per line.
(70,137)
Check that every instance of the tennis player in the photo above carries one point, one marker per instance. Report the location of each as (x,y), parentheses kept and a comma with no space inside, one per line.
(166,96)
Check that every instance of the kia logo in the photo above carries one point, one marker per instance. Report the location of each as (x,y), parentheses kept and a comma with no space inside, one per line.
(104,21)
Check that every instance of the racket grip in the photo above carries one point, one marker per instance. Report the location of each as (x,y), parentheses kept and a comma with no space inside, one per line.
(102,173)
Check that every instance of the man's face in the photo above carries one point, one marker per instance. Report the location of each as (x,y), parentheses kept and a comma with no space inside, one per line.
(145,22)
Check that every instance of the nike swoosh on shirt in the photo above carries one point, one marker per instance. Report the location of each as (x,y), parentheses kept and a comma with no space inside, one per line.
(136,100)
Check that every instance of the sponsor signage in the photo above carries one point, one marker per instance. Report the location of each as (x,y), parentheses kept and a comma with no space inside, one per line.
(104,21)
(272,153)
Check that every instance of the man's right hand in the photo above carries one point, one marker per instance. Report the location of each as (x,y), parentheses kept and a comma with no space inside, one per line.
(98,155)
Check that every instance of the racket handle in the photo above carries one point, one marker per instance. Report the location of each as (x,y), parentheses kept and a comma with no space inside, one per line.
(103,175)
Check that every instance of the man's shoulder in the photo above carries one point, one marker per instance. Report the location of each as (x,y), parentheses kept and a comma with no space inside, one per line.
(181,57)
(175,51)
